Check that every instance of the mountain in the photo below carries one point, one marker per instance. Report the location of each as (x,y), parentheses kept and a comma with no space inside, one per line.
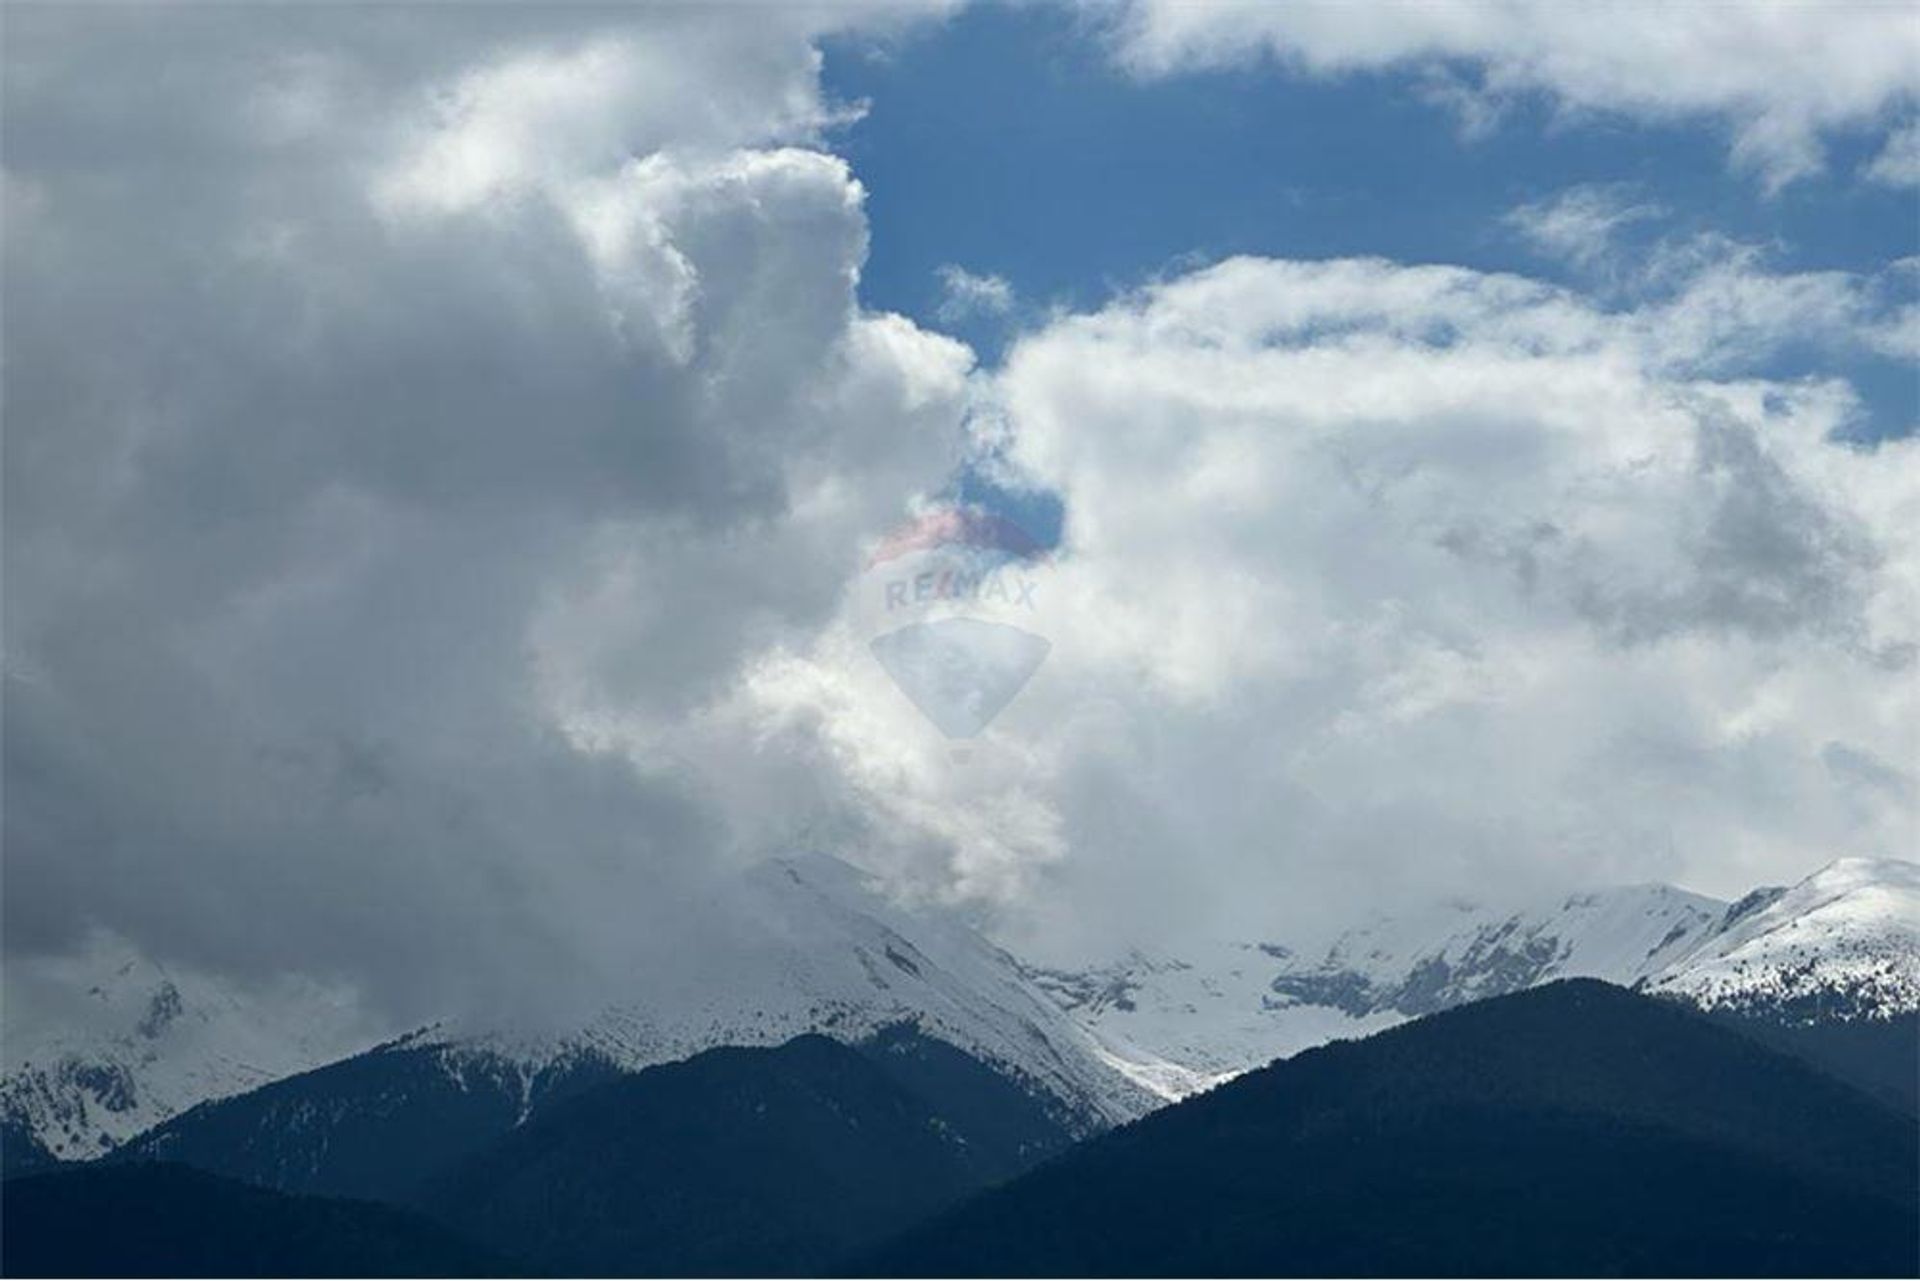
(750,1162)
(156,1220)
(136,1043)
(815,947)
(1423,964)
(1573,1129)
(817,950)
(21,1152)
(820,948)
(1843,944)
(737,1160)
(374,1126)
(1181,1024)
(1829,968)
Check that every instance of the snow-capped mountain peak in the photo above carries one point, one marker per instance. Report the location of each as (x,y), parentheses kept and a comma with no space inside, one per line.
(1182,1023)
(818,947)
(135,1042)
(811,945)
(1842,944)
(1417,965)
(815,945)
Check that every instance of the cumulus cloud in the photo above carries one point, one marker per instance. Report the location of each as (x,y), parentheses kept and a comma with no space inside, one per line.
(1778,76)
(378,414)
(1379,581)
(436,497)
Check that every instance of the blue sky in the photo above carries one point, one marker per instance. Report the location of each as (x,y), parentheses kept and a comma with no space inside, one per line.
(1007,141)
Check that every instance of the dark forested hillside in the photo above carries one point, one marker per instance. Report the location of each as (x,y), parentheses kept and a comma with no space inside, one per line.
(774,1161)
(1879,1055)
(21,1152)
(376,1125)
(158,1219)
(1574,1129)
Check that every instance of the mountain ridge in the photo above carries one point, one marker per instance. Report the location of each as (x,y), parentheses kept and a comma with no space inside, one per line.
(823,949)
(1187,1022)
(749,1161)
(1574,1128)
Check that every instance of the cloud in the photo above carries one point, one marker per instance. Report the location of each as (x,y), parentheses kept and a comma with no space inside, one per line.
(441,461)
(964,295)
(1579,225)
(1380,581)
(492,373)
(1898,164)
(1778,77)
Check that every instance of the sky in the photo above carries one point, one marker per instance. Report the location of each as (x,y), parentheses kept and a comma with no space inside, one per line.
(476,477)
(1009,145)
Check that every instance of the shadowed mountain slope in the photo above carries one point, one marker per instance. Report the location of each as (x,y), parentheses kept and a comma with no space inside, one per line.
(1573,1129)
(751,1161)
(156,1219)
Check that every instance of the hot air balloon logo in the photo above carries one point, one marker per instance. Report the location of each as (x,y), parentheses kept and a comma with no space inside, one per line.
(952,596)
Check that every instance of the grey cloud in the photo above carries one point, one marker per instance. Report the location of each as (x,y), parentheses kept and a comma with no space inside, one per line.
(438,445)
(1867,770)
(315,501)
(1758,555)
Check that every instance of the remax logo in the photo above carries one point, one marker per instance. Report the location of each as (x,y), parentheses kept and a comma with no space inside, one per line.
(952,599)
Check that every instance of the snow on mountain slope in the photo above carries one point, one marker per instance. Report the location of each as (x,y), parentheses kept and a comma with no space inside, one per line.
(1417,965)
(815,946)
(1180,1025)
(818,948)
(1843,944)
(135,1044)
(803,944)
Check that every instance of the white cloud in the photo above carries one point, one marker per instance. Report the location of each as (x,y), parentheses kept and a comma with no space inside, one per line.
(1778,75)
(1579,224)
(1898,164)
(1380,581)
(964,295)
(1898,336)
(432,499)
